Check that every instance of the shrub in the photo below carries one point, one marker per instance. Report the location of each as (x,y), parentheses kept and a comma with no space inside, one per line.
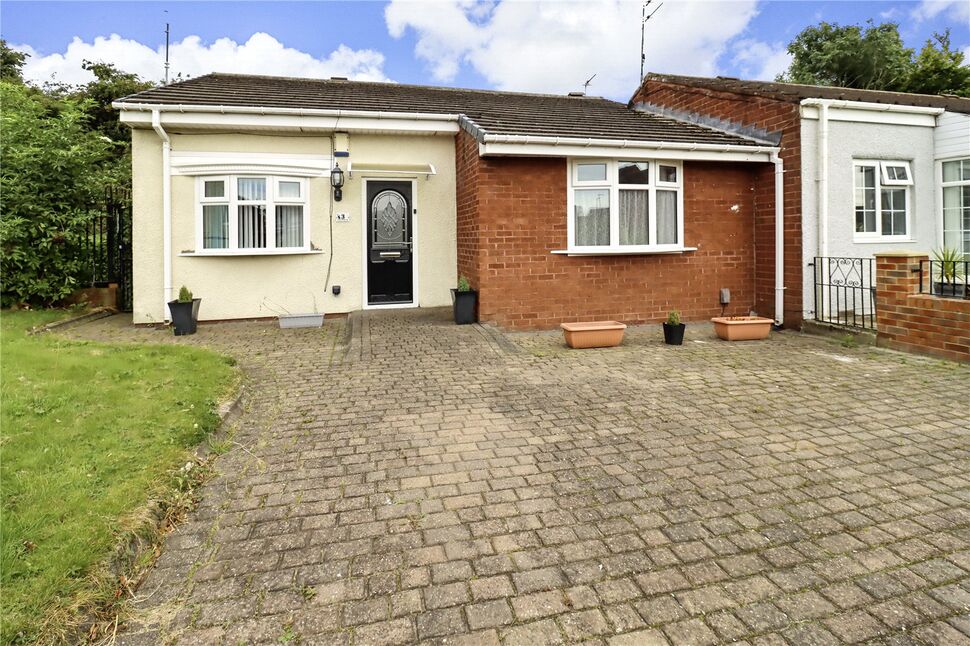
(52,174)
(673,318)
(463,285)
(185,296)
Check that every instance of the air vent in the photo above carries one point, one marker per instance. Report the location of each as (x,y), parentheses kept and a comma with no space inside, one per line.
(577,94)
(338,78)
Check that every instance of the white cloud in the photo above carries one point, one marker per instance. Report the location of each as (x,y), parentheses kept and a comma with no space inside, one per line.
(555,46)
(261,54)
(758,60)
(953,9)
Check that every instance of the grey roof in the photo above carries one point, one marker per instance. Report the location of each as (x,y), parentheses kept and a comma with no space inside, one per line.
(794,92)
(512,113)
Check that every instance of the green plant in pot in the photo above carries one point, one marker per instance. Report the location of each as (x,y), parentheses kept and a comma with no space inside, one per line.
(464,299)
(674,329)
(185,312)
(949,272)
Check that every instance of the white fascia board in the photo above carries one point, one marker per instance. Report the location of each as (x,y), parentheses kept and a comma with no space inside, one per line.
(867,112)
(373,122)
(620,149)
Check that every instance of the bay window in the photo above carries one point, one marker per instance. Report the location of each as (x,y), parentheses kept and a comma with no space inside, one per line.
(625,206)
(252,214)
(956,205)
(882,199)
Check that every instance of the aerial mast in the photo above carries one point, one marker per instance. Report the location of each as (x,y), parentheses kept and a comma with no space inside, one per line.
(166,51)
(643,27)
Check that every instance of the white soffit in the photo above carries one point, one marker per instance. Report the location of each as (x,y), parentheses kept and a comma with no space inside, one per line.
(311,122)
(219,163)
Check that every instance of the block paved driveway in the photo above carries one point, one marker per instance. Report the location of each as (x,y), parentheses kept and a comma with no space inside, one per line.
(398,479)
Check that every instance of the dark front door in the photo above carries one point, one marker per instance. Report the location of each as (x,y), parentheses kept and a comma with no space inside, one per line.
(389,250)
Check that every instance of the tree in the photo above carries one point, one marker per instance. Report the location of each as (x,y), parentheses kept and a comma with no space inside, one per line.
(109,84)
(870,58)
(11,63)
(874,58)
(54,169)
(939,69)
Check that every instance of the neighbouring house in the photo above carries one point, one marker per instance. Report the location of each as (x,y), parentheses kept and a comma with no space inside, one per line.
(865,172)
(556,208)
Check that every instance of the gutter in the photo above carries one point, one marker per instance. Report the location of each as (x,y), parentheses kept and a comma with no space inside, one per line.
(301,112)
(590,142)
(166,212)
(846,104)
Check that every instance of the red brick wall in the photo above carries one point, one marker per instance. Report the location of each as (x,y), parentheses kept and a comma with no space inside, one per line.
(908,320)
(773,116)
(521,217)
(467,204)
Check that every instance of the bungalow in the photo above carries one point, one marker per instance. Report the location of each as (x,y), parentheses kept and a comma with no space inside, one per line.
(266,195)
(865,172)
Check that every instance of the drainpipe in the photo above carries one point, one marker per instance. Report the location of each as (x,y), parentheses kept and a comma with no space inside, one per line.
(823,178)
(166,212)
(779,238)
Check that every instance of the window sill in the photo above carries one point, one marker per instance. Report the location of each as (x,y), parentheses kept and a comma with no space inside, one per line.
(622,252)
(250,252)
(882,240)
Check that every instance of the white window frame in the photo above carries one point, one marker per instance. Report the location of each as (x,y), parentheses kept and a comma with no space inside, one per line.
(951,184)
(272,200)
(906,185)
(884,169)
(613,185)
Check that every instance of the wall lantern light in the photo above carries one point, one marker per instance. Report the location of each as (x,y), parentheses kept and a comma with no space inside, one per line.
(337,182)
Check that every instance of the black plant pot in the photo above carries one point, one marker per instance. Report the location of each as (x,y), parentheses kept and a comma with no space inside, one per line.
(185,316)
(674,334)
(464,304)
(949,289)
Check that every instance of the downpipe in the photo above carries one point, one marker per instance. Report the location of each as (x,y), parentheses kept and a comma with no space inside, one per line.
(166,212)
(779,240)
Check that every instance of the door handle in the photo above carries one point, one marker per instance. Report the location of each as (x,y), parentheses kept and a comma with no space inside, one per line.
(390,254)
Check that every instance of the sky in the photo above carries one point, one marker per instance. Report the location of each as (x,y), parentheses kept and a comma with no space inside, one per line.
(532,46)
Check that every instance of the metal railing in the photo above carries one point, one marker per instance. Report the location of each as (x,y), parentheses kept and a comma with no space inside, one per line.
(107,245)
(845,293)
(946,278)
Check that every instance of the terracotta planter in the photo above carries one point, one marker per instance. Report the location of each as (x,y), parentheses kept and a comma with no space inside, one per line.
(742,328)
(593,334)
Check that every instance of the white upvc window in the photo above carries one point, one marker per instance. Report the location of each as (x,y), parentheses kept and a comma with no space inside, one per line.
(625,206)
(956,204)
(882,200)
(252,214)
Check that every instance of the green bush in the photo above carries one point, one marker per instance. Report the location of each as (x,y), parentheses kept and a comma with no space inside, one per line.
(53,172)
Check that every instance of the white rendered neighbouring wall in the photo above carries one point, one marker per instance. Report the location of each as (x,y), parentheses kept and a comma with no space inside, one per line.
(239,287)
(952,135)
(849,141)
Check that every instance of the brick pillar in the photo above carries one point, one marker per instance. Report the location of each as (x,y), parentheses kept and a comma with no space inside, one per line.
(895,281)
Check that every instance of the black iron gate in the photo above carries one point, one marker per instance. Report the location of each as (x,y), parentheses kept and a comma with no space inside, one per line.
(109,245)
(844,291)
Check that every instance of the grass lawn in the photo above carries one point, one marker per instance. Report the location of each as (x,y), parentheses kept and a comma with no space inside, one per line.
(89,433)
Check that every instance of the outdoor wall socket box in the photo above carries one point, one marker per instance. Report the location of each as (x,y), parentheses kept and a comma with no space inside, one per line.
(725,296)
(342,217)
(336,290)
